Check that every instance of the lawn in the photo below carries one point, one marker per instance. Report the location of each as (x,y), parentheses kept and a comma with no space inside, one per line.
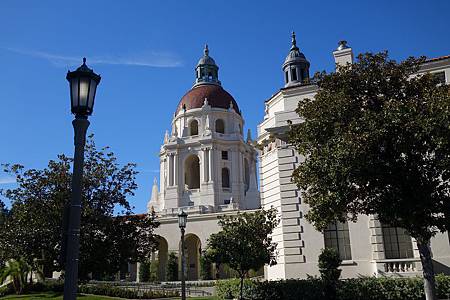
(58,296)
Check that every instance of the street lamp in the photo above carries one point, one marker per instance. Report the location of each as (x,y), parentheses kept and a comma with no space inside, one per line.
(182,220)
(83,85)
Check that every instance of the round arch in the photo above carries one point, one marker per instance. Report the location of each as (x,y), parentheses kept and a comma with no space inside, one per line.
(193,127)
(162,256)
(192,252)
(220,126)
(192,172)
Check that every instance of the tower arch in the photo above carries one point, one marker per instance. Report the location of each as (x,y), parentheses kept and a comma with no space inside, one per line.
(192,172)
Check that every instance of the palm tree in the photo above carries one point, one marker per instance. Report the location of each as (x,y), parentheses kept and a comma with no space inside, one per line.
(17,271)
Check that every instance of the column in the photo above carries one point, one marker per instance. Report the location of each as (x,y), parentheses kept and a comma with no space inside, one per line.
(210,164)
(205,164)
(171,169)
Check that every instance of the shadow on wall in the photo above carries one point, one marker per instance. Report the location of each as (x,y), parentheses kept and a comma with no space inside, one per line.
(440,268)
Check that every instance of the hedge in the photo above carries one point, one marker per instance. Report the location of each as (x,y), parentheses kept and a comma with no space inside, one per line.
(94,289)
(366,288)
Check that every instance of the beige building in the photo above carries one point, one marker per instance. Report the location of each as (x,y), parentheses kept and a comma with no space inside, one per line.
(366,247)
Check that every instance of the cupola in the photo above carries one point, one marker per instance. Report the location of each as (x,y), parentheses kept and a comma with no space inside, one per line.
(207,72)
(295,66)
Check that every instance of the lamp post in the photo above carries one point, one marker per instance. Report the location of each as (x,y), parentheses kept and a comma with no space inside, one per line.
(83,85)
(182,220)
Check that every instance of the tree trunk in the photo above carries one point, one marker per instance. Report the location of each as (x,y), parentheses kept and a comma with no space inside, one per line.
(242,285)
(428,271)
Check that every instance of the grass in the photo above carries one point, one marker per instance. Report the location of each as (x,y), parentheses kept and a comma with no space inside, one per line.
(58,296)
(55,296)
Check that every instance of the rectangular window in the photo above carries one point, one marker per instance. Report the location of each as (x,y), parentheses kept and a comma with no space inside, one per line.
(337,236)
(225,155)
(397,243)
(440,76)
(226,201)
(294,74)
(287,77)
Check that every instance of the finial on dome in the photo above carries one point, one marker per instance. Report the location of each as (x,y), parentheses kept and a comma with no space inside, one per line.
(155,181)
(294,41)
(84,60)
(206,50)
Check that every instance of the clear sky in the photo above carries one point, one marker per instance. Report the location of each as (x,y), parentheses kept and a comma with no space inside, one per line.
(146,52)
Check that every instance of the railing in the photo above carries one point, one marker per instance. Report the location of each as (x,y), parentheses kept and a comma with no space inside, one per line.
(399,266)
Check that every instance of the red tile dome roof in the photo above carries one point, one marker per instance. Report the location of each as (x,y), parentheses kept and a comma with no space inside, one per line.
(216,95)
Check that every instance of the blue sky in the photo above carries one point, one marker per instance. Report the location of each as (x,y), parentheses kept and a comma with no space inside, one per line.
(146,52)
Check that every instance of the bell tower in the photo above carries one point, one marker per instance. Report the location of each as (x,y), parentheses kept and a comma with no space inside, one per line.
(207,165)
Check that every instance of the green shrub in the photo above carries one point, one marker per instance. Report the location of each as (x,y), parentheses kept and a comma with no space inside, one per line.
(114,291)
(172,267)
(144,271)
(366,288)
(329,262)
(6,290)
(154,267)
(205,268)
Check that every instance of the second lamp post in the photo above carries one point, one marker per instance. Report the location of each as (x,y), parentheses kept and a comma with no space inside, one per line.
(182,220)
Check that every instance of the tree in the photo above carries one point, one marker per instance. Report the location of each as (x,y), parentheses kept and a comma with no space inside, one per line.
(17,271)
(244,242)
(329,262)
(34,227)
(376,141)
(172,267)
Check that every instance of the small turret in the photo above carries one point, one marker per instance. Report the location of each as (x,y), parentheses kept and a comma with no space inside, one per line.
(296,66)
(153,204)
(207,72)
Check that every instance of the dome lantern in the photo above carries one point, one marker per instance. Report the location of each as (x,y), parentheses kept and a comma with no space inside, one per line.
(295,66)
(206,72)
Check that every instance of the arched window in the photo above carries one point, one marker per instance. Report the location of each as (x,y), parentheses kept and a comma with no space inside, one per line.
(225,178)
(193,127)
(240,128)
(192,172)
(220,126)
(294,74)
(246,174)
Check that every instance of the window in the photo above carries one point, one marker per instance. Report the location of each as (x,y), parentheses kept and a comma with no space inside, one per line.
(225,155)
(337,236)
(225,178)
(192,172)
(287,76)
(193,127)
(220,126)
(440,77)
(294,74)
(226,201)
(397,243)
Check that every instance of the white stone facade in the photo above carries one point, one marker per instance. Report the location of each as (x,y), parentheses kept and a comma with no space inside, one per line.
(207,168)
(367,247)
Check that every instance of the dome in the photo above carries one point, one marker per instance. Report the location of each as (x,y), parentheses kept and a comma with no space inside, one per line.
(216,95)
(294,55)
(206,60)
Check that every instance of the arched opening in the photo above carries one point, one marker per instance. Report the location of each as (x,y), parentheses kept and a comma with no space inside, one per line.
(192,172)
(240,128)
(220,126)
(193,127)
(192,252)
(246,174)
(161,257)
(225,178)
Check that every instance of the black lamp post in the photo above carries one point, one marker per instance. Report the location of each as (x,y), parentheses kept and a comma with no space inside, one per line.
(182,220)
(83,85)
